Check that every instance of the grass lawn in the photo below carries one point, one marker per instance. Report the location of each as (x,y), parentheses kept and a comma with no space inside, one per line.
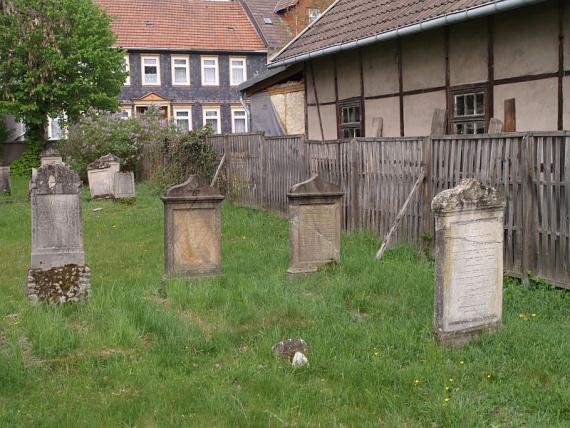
(201,355)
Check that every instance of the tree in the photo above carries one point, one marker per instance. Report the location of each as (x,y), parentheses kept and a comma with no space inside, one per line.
(56,58)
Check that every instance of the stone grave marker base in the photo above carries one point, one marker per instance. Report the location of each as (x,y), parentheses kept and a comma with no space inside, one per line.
(69,283)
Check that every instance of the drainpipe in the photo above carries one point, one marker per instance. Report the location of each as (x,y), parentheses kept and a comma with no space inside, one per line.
(453,18)
(247,113)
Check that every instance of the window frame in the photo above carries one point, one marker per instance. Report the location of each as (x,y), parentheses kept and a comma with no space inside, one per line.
(127,110)
(352,102)
(143,74)
(244,67)
(239,109)
(173,68)
(127,60)
(63,128)
(217,69)
(312,9)
(218,110)
(187,109)
(473,89)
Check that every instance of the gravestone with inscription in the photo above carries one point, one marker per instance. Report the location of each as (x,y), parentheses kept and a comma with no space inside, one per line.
(192,229)
(50,155)
(469,261)
(101,176)
(58,273)
(5,185)
(124,185)
(314,225)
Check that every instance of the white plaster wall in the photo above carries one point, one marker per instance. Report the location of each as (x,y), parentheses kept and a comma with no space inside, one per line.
(380,69)
(328,115)
(418,112)
(324,80)
(423,60)
(526,41)
(389,110)
(535,103)
(348,74)
(468,52)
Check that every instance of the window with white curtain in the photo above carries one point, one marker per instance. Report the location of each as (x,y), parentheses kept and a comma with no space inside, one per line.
(238,72)
(150,70)
(239,120)
(210,74)
(211,116)
(183,119)
(180,70)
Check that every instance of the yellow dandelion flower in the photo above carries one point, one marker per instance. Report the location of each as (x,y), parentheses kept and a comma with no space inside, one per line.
(533,315)
(447,388)
(488,376)
(451,379)
(461,362)
(417,381)
(446,399)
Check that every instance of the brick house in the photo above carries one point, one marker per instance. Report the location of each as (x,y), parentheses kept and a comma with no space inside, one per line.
(186,58)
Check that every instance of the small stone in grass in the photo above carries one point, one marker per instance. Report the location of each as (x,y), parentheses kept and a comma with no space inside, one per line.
(97,209)
(288,348)
(299,360)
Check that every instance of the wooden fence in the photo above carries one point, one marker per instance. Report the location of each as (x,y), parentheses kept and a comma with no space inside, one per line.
(377,175)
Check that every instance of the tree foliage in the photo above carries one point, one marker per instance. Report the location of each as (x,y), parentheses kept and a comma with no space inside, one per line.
(56,57)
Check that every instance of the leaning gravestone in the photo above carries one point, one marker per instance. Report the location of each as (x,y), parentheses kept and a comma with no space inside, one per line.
(5,185)
(101,176)
(314,225)
(49,156)
(469,261)
(192,229)
(58,273)
(124,185)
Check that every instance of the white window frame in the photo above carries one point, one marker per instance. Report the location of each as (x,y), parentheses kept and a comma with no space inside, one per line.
(173,69)
(311,16)
(187,109)
(157,58)
(232,66)
(51,137)
(215,58)
(239,109)
(128,70)
(218,114)
(127,110)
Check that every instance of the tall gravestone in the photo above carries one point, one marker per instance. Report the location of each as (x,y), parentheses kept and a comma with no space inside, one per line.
(469,261)
(58,273)
(314,225)
(5,185)
(192,229)
(101,176)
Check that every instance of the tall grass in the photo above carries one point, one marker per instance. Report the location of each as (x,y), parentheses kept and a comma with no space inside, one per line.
(201,354)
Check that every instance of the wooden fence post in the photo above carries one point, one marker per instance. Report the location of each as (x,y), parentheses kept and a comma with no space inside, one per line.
(528,237)
(262,171)
(355,183)
(427,192)
(228,163)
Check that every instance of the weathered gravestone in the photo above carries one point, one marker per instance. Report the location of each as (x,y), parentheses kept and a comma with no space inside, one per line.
(469,261)
(49,156)
(101,176)
(5,185)
(314,225)
(124,185)
(58,273)
(192,229)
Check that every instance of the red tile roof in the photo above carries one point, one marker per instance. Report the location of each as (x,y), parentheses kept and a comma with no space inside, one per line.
(182,24)
(277,33)
(350,20)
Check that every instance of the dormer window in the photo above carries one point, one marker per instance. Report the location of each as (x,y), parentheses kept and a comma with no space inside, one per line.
(313,14)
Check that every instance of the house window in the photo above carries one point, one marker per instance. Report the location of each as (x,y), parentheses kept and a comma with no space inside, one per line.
(128,70)
(183,119)
(150,70)
(313,15)
(237,71)
(468,115)
(239,120)
(211,116)
(350,125)
(180,70)
(56,130)
(210,76)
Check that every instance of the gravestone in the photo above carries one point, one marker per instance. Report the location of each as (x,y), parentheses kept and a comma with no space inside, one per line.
(314,225)
(58,273)
(192,229)
(469,261)
(50,155)
(124,185)
(5,184)
(101,176)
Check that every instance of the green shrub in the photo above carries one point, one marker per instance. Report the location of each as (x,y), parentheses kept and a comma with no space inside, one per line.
(28,160)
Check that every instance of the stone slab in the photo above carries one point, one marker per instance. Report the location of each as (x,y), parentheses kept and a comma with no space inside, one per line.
(101,176)
(469,262)
(124,185)
(5,183)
